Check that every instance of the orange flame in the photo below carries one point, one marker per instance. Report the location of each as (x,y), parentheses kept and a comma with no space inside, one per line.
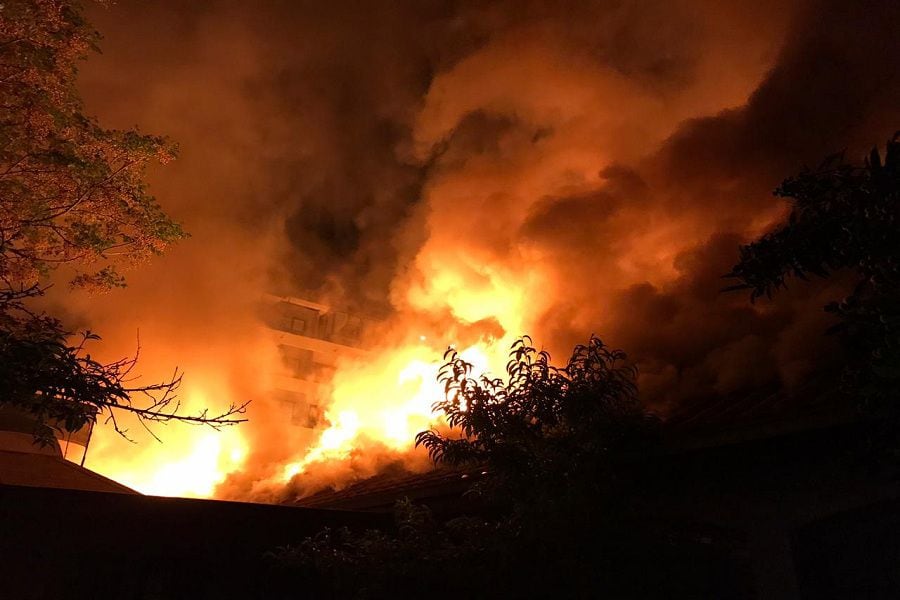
(388,401)
(190,463)
(381,399)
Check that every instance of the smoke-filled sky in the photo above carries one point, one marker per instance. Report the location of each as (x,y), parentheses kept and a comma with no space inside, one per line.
(552,168)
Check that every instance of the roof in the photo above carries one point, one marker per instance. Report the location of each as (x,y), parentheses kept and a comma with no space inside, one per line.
(379,493)
(66,543)
(44,470)
(25,463)
(766,413)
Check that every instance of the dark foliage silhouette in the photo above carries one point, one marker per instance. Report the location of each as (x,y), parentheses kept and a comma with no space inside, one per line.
(552,441)
(58,383)
(844,217)
(543,427)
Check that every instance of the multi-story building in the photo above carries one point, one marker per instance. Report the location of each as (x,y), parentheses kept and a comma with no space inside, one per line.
(311,338)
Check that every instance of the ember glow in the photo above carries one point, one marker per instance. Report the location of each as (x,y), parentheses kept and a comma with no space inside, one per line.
(466,174)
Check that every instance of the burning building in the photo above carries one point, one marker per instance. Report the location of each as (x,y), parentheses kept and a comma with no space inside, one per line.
(311,338)
(476,172)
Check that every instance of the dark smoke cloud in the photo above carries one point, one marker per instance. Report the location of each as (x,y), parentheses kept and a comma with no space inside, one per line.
(590,166)
(834,87)
(297,121)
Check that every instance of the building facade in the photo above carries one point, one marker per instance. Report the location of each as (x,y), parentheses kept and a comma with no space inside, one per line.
(311,339)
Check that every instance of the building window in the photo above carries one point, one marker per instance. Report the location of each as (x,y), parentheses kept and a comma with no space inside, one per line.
(300,320)
(298,325)
(298,361)
(323,373)
(295,404)
(313,416)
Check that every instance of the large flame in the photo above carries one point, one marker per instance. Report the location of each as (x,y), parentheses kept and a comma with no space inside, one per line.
(377,401)
(386,397)
(190,463)
(388,401)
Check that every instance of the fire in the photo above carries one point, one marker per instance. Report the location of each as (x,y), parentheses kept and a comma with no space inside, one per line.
(198,473)
(387,400)
(530,174)
(375,402)
(379,400)
(189,462)
(387,396)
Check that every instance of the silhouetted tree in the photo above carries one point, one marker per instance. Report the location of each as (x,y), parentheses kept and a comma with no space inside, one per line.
(42,373)
(843,217)
(552,441)
(544,429)
(71,193)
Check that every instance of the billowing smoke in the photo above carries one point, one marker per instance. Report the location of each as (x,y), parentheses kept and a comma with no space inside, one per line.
(478,170)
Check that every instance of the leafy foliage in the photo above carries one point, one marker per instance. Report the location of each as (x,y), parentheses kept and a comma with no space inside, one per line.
(544,427)
(409,561)
(553,441)
(70,191)
(843,217)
